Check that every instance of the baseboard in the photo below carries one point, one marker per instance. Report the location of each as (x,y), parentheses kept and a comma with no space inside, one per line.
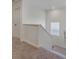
(55,52)
(36,46)
(15,37)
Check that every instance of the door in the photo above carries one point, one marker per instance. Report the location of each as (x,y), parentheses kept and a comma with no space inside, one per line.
(16,22)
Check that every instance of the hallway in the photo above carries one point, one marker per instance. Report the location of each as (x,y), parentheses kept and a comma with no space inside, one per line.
(33,23)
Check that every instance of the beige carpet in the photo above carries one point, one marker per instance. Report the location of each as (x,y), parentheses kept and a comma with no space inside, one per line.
(22,50)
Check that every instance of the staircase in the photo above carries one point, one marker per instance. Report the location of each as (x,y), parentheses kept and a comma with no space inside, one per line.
(36,35)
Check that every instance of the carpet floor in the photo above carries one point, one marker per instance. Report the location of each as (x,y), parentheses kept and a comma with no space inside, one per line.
(22,50)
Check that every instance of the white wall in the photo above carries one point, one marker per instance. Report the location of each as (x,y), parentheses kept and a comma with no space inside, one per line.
(30,34)
(31,14)
(57,15)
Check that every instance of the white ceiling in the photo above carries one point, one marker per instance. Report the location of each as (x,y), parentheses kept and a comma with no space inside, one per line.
(46,4)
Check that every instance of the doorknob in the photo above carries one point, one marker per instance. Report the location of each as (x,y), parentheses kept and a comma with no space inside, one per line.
(15,24)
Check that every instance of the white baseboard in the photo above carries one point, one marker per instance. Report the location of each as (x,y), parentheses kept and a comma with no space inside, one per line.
(55,52)
(37,46)
(16,37)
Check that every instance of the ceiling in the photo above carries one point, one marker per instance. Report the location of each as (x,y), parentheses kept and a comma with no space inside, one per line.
(46,4)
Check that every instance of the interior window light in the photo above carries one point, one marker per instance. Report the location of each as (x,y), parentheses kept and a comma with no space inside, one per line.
(55,28)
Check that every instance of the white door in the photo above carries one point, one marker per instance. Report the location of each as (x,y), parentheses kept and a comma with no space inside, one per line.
(16,22)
